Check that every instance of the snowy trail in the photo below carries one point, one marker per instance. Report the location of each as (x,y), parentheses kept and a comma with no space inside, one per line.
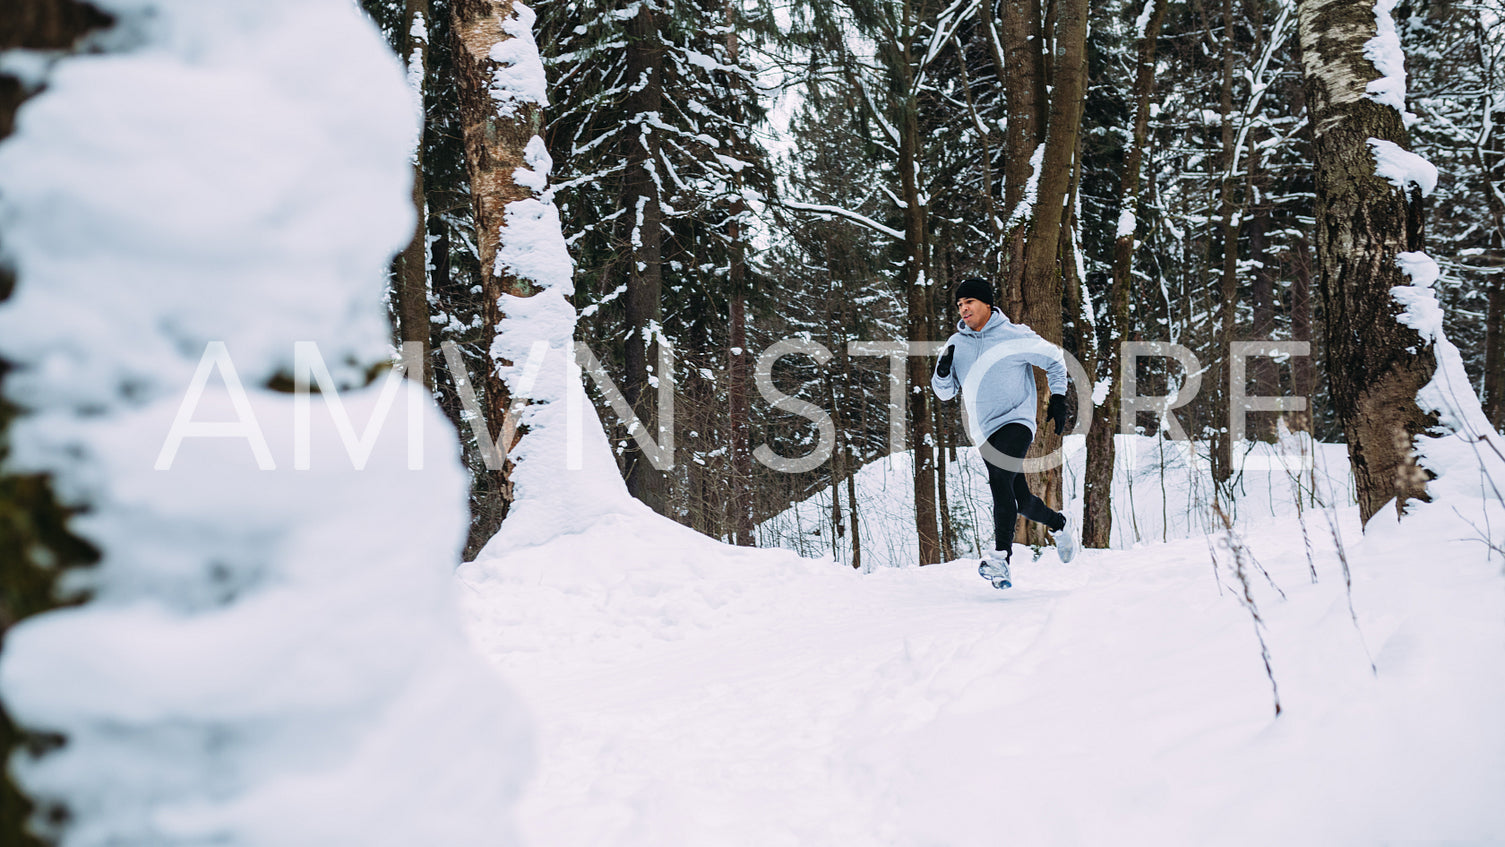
(762,714)
(701,695)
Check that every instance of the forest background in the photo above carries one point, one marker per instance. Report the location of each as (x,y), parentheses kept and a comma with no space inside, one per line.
(731,174)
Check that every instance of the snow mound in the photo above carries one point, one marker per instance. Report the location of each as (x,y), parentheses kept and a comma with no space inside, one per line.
(589,553)
(267,657)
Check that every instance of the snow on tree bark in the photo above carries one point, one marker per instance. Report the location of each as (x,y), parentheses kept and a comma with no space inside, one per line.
(501,100)
(558,462)
(644,271)
(1379,356)
(35,541)
(413,322)
(739,360)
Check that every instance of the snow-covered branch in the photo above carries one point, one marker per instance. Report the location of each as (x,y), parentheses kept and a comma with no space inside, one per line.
(844,213)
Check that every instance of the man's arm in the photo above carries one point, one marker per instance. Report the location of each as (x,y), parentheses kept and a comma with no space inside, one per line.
(1047,357)
(943,380)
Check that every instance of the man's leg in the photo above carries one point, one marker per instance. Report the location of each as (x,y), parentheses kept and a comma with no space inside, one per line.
(1005,506)
(1016,499)
(1034,508)
(1011,440)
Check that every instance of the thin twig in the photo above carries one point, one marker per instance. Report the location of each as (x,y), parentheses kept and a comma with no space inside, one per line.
(1241,556)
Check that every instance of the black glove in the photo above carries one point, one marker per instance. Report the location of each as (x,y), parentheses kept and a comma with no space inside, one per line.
(943,367)
(1056,411)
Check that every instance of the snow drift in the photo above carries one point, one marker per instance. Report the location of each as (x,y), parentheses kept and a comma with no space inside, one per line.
(266,657)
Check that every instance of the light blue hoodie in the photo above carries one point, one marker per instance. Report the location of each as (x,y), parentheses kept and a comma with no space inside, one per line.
(1003,391)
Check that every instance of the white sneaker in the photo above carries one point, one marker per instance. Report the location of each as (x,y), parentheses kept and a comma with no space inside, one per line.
(1067,540)
(995,569)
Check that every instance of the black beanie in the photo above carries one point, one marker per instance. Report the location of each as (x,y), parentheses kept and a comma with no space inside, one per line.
(976,288)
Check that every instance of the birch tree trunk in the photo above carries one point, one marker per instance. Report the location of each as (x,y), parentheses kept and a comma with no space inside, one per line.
(1097,480)
(1375,364)
(495,143)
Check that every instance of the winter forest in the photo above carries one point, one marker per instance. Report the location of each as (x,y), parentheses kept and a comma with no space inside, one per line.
(585,422)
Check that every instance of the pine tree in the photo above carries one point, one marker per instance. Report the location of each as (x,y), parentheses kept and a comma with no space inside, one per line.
(655,104)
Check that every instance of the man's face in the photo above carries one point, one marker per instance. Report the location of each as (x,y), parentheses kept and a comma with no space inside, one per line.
(974,312)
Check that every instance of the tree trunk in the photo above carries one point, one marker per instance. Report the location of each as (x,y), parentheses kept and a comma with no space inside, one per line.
(938,295)
(1023,74)
(1375,364)
(1229,211)
(917,307)
(852,522)
(738,406)
(1301,330)
(645,217)
(921,435)
(412,276)
(1079,334)
(1042,281)
(1494,355)
(837,470)
(739,416)
(494,146)
(1491,163)
(33,523)
(1097,480)
(1264,370)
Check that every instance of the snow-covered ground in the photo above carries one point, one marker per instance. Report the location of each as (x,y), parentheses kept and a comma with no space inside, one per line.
(688,693)
(1161,491)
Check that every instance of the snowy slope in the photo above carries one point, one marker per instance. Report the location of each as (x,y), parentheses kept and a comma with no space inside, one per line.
(689,693)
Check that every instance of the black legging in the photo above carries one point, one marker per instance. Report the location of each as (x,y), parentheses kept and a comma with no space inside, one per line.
(1011,495)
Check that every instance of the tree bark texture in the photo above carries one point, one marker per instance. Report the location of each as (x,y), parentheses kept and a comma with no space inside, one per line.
(1375,364)
(412,278)
(738,370)
(1301,330)
(739,408)
(1022,71)
(645,218)
(921,433)
(1489,158)
(494,147)
(39,25)
(1042,283)
(1230,212)
(1263,370)
(1494,355)
(1097,478)
(36,544)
